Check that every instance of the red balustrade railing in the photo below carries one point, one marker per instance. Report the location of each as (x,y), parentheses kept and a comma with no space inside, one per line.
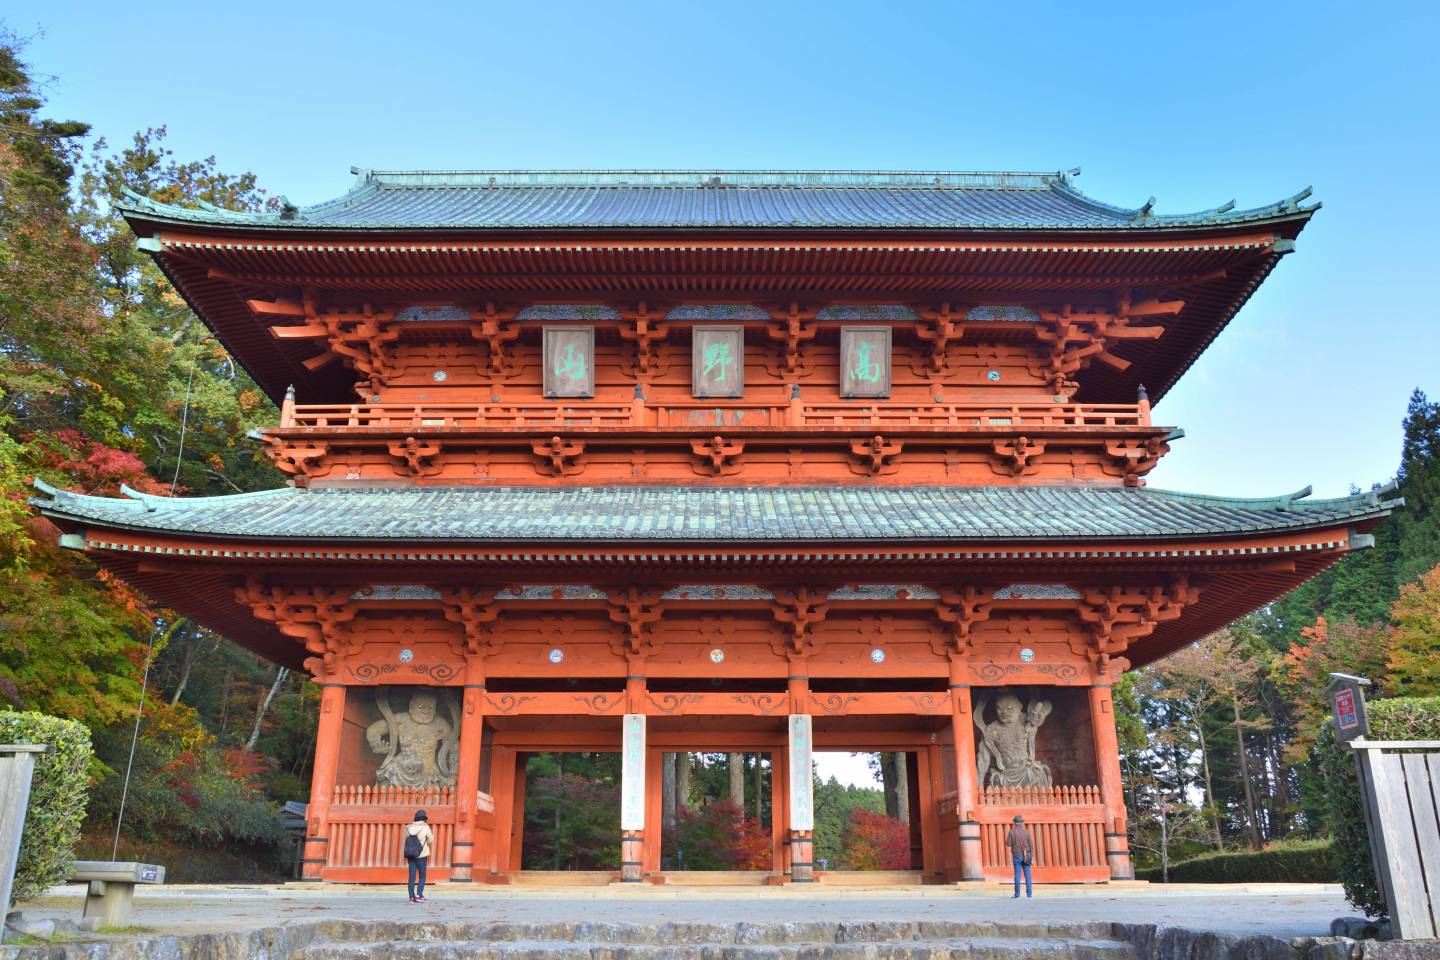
(726,413)
(1039,796)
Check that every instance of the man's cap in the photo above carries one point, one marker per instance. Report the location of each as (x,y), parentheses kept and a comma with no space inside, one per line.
(420,815)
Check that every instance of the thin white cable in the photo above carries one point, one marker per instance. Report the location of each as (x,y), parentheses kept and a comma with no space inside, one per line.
(134,738)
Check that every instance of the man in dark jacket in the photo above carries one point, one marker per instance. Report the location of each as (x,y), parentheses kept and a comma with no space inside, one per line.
(1022,853)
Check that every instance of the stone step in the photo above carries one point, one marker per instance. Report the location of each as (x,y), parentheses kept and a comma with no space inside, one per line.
(795,933)
(969,948)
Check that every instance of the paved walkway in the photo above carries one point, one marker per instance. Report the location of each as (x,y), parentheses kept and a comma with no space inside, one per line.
(1281,910)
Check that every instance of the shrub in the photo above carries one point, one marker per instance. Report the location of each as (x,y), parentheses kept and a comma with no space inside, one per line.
(57,797)
(718,837)
(1306,861)
(873,841)
(1398,718)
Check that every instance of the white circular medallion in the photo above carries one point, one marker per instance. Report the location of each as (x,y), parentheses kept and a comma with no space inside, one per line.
(555,655)
(717,655)
(407,655)
(992,375)
(440,376)
(877,655)
(1026,655)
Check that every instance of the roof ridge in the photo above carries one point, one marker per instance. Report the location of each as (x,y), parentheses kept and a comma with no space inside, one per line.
(712,178)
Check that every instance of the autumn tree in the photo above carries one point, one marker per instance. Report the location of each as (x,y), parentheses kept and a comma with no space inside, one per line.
(1415,639)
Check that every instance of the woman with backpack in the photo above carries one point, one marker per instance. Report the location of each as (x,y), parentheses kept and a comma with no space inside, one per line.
(418,838)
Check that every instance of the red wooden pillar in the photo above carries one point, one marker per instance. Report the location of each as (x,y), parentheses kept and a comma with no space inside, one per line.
(502,788)
(654,810)
(322,781)
(967,789)
(1107,768)
(929,803)
(467,774)
(517,817)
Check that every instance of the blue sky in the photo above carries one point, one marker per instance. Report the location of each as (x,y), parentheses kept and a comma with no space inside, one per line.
(1192,104)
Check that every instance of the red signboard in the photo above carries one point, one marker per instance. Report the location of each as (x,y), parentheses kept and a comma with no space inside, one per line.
(1346,717)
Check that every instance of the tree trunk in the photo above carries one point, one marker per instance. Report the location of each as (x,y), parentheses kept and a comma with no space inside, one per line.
(736,763)
(1250,825)
(1164,847)
(280,674)
(185,665)
(1209,784)
(1282,788)
(758,782)
(667,791)
(902,788)
(887,784)
(682,780)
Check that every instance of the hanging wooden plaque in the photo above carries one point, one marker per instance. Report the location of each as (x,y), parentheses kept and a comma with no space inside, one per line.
(865,362)
(717,361)
(569,361)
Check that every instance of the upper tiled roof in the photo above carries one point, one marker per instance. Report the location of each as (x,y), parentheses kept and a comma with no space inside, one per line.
(693,199)
(709,514)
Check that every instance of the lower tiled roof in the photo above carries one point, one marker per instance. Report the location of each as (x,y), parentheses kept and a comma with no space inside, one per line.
(707,514)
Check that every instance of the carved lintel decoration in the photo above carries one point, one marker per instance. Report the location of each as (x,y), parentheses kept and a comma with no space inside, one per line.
(718,457)
(636,610)
(296,457)
(1135,458)
(876,456)
(962,609)
(492,326)
(1120,616)
(314,615)
(475,610)
(416,458)
(646,329)
(791,327)
(1017,457)
(800,609)
(938,327)
(559,457)
(360,337)
(1076,338)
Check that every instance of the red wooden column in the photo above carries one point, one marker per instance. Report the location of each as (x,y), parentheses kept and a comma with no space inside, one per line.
(502,788)
(654,810)
(322,780)
(967,789)
(929,805)
(1107,767)
(467,774)
(517,817)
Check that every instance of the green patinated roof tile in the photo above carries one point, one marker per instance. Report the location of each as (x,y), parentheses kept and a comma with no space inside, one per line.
(701,199)
(708,514)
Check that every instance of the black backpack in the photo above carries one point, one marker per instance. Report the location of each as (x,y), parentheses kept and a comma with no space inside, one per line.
(413,847)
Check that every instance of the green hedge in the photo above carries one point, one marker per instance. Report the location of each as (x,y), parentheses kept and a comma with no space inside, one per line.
(1398,718)
(1308,861)
(57,797)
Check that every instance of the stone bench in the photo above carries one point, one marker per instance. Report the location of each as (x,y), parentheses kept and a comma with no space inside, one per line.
(112,887)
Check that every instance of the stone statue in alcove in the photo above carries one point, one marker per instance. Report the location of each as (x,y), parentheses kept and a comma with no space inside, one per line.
(420,746)
(1005,748)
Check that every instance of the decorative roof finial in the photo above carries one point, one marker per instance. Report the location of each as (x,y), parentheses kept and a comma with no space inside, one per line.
(288,210)
(1141,396)
(794,391)
(639,391)
(290,393)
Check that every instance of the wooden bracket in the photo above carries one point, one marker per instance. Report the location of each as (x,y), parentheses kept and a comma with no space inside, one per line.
(475,611)
(492,327)
(295,457)
(559,457)
(1119,616)
(962,609)
(1077,338)
(360,337)
(938,327)
(1135,458)
(1017,457)
(875,457)
(718,457)
(800,608)
(416,458)
(791,326)
(313,615)
(644,328)
(635,610)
